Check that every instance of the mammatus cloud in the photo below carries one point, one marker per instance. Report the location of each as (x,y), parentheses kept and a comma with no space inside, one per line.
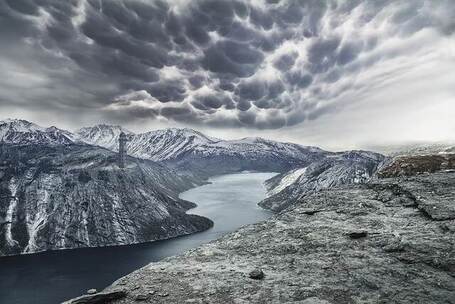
(244,63)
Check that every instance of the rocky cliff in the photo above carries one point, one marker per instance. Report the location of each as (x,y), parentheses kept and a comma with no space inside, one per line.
(71,196)
(388,241)
(352,167)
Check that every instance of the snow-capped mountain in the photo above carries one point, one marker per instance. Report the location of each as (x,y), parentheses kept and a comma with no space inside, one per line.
(101,135)
(17,131)
(351,167)
(167,144)
(72,196)
(156,145)
(190,150)
(185,149)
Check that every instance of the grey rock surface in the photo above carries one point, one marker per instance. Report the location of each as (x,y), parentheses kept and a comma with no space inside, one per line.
(98,298)
(404,254)
(352,167)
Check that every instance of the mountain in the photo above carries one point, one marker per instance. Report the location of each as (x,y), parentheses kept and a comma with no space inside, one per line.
(101,135)
(353,167)
(191,151)
(168,144)
(19,131)
(71,196)
(156,145)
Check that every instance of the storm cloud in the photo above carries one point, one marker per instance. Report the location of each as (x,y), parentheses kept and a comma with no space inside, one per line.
(242,63)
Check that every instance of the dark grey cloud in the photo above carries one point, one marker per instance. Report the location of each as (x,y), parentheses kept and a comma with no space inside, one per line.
(285,62)
(174,111)
(260,64)
(167,91)
(299,78)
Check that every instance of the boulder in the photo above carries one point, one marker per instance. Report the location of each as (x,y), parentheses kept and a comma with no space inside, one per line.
(256,274)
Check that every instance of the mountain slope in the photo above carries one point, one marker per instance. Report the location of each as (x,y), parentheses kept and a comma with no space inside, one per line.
(167,144)
(71,196)
(353,167)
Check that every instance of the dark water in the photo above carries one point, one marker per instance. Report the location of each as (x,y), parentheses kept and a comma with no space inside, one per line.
(51,277)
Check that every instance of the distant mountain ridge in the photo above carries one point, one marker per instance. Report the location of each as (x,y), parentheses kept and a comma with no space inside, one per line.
(18,131)
(170,143)
(185,149)
(422,148)
(190,150)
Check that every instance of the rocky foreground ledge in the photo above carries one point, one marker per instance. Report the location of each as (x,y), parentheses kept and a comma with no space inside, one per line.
(390,241)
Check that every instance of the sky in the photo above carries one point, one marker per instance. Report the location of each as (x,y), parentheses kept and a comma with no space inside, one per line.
(336,74)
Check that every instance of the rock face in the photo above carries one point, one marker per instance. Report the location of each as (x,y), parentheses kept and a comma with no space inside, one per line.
(373,243)
(71,196)
(353,167)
